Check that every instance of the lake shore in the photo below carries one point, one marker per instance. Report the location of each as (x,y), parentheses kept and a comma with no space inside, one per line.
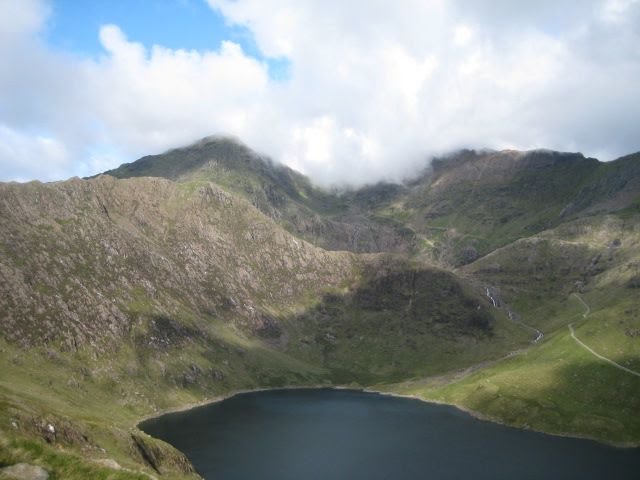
(475,414)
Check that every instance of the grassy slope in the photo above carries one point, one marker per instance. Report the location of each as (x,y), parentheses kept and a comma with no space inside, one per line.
(558,386)
(475,202)
(145,295)
(429,322)
(97,414)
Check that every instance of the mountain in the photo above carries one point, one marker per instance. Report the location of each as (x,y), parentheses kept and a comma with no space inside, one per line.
(471,203)
(210,269)
(331,221)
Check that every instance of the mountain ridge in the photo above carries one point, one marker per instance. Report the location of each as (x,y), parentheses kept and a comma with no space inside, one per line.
(337,221)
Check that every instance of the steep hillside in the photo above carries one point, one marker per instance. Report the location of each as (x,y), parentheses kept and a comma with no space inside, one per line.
(462,207)
(105,249)
(120,298)
(123,297)
(329,220)
(471,203)
(426,321)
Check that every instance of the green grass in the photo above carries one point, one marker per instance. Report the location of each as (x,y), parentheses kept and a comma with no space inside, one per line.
(103,407)
(431,321)
(558,386)
(60,465)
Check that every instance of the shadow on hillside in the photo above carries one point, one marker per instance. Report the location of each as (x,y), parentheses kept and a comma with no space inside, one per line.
(394,324)
(400,321)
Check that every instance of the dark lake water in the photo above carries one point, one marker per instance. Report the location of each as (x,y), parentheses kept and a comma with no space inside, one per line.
(344,434)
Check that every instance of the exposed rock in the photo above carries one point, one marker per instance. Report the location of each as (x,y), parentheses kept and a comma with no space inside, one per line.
(109,463)
(331,221)
(158,455)
(97,280)
(632,332)
(24,471)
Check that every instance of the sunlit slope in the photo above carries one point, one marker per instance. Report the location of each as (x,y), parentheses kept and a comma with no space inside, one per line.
(535,276)
(585,275)
(558,386)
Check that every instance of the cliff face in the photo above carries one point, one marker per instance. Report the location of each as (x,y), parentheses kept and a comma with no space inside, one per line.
(82,259)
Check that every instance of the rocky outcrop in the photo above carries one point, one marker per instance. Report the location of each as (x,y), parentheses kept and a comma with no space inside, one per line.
(160,457)
(330,220)
(91,262)
(24,471)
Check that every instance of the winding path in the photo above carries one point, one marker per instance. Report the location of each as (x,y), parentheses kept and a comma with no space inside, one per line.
(588,309)
(608,360)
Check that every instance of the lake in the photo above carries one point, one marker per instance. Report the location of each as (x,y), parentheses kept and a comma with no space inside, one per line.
(348,434)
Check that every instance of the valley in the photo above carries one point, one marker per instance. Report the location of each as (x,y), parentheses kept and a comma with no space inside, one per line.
(210,269)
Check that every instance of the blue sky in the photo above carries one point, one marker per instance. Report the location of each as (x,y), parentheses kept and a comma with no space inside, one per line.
(74,26)
(189,24)
(346,92)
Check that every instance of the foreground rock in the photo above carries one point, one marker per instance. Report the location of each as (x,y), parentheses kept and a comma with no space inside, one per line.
(24,471)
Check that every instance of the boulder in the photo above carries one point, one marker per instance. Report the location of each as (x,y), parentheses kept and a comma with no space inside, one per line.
(24,471)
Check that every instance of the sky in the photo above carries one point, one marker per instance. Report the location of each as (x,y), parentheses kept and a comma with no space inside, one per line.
(345,92)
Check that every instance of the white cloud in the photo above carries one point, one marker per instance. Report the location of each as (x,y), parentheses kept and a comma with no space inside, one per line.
(161,98)
(462,34)
(21,18)
(25,156)
(615,11)
(372,88)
